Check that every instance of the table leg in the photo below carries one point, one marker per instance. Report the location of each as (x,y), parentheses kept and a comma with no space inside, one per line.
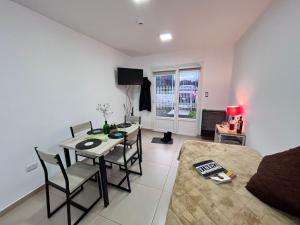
(103,180)
(67,157)
(140,145)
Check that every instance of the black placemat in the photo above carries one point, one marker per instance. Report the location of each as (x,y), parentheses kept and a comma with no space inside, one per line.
(157,140)
(88,144)
(117,134)
(124,125)
(95,131)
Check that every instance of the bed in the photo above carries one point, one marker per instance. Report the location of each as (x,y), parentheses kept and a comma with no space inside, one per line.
(196,200)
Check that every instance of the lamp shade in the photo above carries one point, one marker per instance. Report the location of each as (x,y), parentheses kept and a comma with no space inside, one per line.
(234,110)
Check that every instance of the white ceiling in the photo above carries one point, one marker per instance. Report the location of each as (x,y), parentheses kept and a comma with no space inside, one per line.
(193,23)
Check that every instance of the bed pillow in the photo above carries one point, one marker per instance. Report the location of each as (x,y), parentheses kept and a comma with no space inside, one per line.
(277,181)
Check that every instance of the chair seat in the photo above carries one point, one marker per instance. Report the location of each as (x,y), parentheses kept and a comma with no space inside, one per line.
(78,173)
(116,155)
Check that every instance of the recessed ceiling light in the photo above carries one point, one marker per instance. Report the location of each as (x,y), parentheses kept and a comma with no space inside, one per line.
(140,1)
(166,37)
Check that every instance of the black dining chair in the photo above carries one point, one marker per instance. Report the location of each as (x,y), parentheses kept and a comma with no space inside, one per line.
(79,129)
(121,155)
(133,120)
(132,140)
(69,181)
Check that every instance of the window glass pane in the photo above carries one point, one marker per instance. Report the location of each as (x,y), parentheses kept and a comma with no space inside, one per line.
(165,89)
(188,92)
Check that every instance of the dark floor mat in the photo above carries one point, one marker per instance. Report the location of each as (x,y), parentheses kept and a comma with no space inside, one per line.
(158,141)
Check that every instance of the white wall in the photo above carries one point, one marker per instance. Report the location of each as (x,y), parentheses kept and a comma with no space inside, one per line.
(51,78)
(266,78)
(216,74)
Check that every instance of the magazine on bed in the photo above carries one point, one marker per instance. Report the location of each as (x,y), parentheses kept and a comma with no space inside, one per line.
(211,169)
(208,167)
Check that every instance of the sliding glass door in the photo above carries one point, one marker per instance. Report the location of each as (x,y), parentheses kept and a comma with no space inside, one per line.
(165,100)
(165,94)
(176,101)
(188,93)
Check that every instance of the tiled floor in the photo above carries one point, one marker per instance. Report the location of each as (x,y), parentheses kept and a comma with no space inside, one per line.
(147,204)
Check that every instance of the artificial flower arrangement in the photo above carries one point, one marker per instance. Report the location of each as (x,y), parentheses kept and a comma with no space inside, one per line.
(106,112)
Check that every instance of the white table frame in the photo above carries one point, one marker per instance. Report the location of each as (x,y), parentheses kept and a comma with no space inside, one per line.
(99,151)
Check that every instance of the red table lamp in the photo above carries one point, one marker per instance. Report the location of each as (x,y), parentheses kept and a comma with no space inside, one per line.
(233,111)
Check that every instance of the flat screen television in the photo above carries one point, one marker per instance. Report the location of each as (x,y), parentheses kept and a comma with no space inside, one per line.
(129,76)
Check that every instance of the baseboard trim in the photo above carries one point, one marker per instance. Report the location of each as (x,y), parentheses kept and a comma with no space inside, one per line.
(185,134)
(147,129)
(188,134)
(21,200)
(161,131)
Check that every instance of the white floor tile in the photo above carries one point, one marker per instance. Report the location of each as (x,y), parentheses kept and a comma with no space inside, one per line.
(24,214)
(135,208)
(32,211)
(154,175)
(170,179)
(88,195)
(100,220)
(175,161)
(61,217)
(160,156)
(162,209)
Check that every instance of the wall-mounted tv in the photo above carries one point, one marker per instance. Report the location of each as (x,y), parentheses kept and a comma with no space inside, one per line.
(129,76)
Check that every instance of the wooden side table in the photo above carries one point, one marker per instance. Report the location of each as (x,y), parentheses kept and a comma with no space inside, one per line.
(224,135)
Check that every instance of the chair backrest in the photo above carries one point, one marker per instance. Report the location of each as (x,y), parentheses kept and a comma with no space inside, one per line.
(54,160)
(51,159)
(47,157)
(133,119)
(133,135)
(81,127)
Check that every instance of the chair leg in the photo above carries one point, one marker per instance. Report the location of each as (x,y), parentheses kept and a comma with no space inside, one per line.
(139,158)
(140,145)
(127,177)
(48,201)
(138,150)
(68,208)
(76,157)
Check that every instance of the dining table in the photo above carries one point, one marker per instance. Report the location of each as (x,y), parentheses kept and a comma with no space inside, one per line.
(99,151)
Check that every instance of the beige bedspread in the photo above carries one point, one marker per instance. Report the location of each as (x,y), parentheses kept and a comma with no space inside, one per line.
(196,200)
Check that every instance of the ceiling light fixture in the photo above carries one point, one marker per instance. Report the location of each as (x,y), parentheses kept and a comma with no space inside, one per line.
(140,1)
(166,37)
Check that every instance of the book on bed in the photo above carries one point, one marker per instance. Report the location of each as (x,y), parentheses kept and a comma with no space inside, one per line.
(211,169)
(208,167)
